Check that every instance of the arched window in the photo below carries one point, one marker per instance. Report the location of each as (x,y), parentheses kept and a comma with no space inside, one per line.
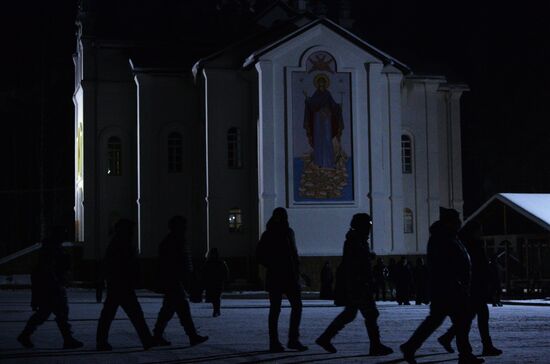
(406,154)
(234,148)
(235,219)
(114,156)
(175,153)
(408,221)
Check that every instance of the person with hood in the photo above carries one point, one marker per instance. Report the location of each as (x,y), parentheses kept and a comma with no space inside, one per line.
(354,288)
(277,252)
(214,274)
(470,236)
(450,273)
(49,294)
(121,273)
(175,267)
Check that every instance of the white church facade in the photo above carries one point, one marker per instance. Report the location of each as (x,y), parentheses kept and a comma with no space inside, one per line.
(313,119)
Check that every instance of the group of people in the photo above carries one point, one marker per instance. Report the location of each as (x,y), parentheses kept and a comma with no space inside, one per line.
(121,274)
(456,274)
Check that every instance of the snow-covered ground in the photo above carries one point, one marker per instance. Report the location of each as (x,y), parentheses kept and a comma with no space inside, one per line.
(239,335)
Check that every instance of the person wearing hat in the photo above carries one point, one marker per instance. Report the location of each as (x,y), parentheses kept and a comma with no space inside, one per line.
(449,276)
(121,272)
(354,288)
(49,295)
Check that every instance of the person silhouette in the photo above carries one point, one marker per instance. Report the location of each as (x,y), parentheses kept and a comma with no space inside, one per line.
(277,252)
(49,295)
(380,271)
(403,282)
(175,267)
(392,278)
(449,268)
(326,282)
(214,274)
(470,236)
(354,288)
(121,273)
(420,278)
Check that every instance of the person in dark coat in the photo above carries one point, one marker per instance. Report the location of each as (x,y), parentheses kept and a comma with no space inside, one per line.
(121,272)
(175,267)
(420,278)
(214,274)
(392,278)
(470,236)
(277,252)
(49,295)
(380,272)
(495,288)
(449,268)
(354,288)
(326,282)
(403,282)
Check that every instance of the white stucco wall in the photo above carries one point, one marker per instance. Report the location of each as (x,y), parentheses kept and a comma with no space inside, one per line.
(320,230)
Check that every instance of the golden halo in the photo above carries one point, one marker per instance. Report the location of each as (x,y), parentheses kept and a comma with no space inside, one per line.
(320,76)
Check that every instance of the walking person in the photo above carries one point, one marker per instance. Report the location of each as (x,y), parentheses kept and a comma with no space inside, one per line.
(420,278)
(470,236)
(449,268)
(121,272)
(49,294)
(277,252)
(354,288)
(175,267)
(327,278)
(214,274)
(380,272)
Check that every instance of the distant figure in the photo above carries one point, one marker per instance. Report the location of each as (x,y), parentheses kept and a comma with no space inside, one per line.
(420,278)
(277,252)
(354,288)
(449,268)
(392,278)
(494,281)
(380,272)
(175,267)
(326,282)
(121,272)
(403,282)
(49,295)
(214,274)
(470,236)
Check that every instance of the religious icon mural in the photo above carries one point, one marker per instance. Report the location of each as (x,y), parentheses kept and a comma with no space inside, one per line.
(321,135)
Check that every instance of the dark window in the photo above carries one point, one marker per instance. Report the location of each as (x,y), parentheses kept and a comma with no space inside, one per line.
(235,219)
(114,156)
(175,153)
(406,154)
(234,148)
(408,221)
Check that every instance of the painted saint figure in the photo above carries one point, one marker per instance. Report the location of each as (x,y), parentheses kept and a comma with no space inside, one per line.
(323,122)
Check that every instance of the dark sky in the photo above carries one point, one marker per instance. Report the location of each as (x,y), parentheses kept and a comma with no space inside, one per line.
(502,52)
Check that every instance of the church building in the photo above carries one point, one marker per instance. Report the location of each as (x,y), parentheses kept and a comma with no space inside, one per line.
(301,113)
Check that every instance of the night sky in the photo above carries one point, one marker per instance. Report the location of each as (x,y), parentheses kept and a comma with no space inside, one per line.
(502,53)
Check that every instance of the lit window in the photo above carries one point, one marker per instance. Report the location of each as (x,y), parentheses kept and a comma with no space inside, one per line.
(234,148)
(175,153)
(114,156)
(408,221)
(235,219)
(406,154)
